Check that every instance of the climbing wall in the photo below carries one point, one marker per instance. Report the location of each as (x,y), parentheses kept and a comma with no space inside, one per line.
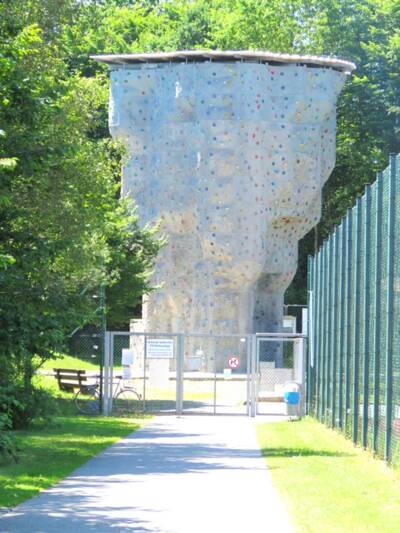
(230,157)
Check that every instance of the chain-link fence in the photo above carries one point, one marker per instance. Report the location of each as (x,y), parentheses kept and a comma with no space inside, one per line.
(200,373)
(353,368)
(88,347)
(205,373)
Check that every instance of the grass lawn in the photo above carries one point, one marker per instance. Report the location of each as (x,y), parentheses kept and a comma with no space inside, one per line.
(50,452)
(67,361)
(47,454)
(326,484)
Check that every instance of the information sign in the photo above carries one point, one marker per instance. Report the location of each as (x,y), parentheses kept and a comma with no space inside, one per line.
(160,348)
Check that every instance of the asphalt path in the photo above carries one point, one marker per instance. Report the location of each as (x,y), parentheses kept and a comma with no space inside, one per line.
(191,474)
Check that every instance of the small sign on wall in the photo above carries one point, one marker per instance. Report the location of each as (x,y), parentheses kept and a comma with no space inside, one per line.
(160,348)
(128,356)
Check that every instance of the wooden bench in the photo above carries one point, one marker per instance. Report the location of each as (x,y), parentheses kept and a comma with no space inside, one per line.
(69,380)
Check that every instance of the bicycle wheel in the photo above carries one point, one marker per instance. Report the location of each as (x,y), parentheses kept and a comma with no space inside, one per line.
(127,402)
(87,400)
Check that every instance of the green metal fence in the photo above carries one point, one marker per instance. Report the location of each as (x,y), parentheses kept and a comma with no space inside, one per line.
(353,364)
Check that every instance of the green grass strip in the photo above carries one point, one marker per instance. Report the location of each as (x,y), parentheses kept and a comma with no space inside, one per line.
(48,454)
(67,361)
(326,484)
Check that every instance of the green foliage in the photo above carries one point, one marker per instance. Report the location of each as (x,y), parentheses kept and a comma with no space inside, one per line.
(7,442)
(34,403)
(63,230)
(368,128)
(368,33)
(8,403)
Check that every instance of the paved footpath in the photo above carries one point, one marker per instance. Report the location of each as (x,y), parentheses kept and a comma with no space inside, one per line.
(199,474)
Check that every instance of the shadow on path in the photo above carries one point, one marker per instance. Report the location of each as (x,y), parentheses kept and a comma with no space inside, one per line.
(111,492)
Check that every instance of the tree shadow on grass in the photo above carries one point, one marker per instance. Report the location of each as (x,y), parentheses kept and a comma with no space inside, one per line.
(66,405)
(301,452)
(169,406)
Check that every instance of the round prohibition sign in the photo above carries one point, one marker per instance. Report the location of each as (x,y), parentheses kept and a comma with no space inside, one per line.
(233,361)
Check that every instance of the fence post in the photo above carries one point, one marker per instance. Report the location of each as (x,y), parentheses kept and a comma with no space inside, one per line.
(335,278)
(144,371)
(329,314)
(377,307)
(179,374)
(348,316)
(102,342)
(254,374)
(310,281)
(328,267)
(324,325)
(390,302)
(249,374)
(317,326)
(320,333)
(367,286)
(342,340)
(106,374)
(313,361)
(357,313)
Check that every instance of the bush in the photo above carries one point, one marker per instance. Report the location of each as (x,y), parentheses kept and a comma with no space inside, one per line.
(7,442)
(33,404)
(19,407)
(8,405)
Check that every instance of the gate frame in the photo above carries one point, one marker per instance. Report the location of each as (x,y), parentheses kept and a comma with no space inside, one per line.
(109,366)
(252,364)
(298,339)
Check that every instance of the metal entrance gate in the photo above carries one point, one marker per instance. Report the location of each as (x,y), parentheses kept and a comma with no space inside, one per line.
(202,374)
(216,374)
(278,359)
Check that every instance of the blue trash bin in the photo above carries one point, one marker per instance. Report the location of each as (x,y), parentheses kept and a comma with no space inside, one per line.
(292,397)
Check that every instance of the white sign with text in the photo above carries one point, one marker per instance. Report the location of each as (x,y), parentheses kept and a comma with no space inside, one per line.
(160,348)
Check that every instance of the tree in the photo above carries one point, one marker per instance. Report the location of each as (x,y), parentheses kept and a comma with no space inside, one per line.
(368,33)
(63,230)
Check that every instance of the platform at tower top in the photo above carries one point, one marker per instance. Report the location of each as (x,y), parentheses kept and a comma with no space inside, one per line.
(117,60)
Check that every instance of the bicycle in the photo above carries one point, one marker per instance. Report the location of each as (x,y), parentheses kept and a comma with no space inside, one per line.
(125,400)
